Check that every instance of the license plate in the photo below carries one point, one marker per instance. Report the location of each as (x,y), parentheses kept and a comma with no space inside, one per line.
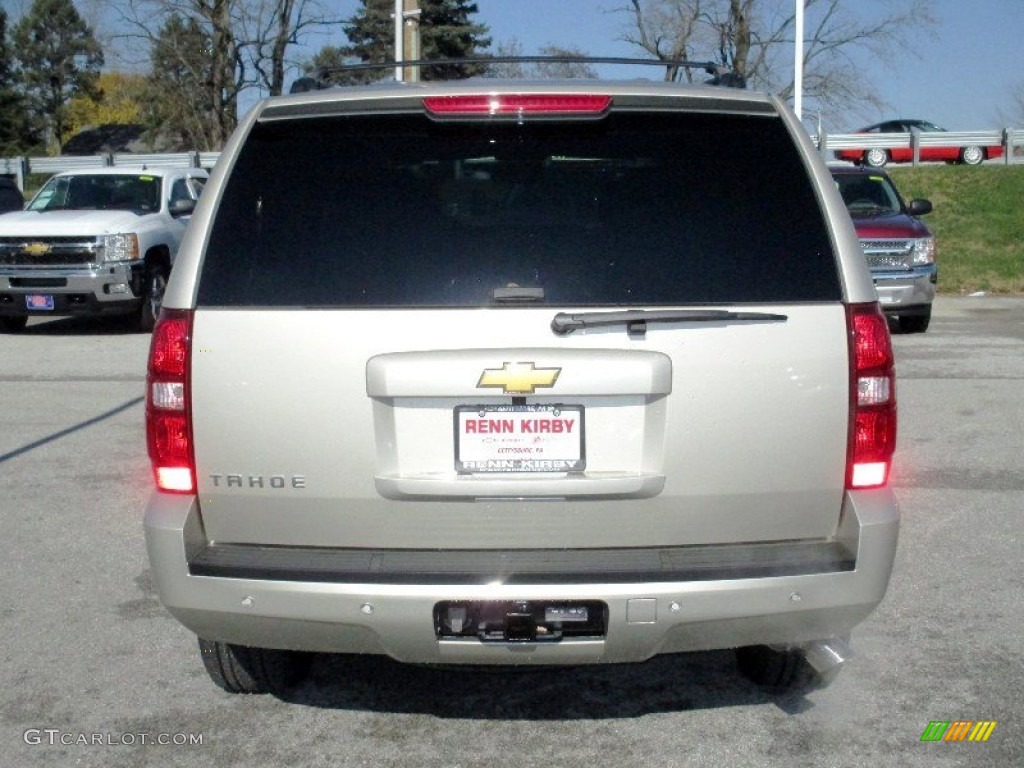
(519,438)
(39,301)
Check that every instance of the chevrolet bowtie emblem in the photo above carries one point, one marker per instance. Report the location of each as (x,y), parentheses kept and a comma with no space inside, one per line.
(37,249)
(519,378)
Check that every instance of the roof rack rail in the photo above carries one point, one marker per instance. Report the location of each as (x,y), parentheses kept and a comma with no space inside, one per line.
(721,75)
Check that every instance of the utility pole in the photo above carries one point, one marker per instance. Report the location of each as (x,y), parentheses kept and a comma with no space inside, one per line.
(397,16)
(411,38)
(407,39)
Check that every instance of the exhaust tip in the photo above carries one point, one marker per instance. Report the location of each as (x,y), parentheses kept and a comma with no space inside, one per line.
(827,655)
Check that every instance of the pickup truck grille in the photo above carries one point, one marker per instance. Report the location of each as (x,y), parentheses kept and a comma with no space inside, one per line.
(888,254)
(48,252)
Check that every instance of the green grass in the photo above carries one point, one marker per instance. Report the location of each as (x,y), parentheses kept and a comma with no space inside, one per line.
(978,223)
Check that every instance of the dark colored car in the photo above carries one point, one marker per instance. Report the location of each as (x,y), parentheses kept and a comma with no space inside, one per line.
(10,196)
(900,250)
(876,157)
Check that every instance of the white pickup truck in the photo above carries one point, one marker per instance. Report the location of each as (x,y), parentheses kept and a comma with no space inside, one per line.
(99,241)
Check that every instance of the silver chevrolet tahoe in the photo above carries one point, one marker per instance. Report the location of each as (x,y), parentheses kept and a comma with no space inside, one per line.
(514,373)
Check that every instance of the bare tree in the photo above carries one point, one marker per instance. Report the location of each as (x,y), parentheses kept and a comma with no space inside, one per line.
(756,38)
(247,46)
(1012,116)
(196,40)
(226,71)
(511,70)
(538,70)
(564,70)
(667,30)
(269,27)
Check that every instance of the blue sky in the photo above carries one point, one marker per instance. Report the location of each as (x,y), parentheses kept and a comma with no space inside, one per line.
(959,74)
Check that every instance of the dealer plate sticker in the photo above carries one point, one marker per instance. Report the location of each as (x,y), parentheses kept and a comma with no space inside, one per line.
(519,438)
(38,301)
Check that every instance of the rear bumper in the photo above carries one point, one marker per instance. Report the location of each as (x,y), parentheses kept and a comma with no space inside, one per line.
(899,291)
(87,290)
(686,608)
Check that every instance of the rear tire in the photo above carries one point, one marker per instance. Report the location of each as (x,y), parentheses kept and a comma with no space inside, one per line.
(13,324)
(972,155)
(778,670)
(241,669)
(915,323)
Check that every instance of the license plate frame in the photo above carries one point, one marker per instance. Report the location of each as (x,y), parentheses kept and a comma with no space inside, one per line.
(504,439)
(39,302)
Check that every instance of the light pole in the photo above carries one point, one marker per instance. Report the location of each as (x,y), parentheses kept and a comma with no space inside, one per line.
(798,62)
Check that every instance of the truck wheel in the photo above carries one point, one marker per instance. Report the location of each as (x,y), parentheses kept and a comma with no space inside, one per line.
(778,669)
(241,669)
(152,298)
(12,324)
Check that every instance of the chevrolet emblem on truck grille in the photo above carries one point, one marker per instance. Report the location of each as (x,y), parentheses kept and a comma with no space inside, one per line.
(519,378)
(37,249)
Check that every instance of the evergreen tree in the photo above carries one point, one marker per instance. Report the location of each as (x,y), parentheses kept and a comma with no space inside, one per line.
(16,135)
(445,32)
(327,58)
(371,35)
(58,57)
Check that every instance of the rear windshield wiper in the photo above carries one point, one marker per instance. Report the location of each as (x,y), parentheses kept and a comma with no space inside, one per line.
(636,319)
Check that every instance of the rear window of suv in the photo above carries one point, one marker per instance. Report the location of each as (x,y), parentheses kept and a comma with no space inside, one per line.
(634,209)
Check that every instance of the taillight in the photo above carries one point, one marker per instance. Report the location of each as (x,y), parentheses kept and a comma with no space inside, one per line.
(168,419)
(516,104)
(872,398)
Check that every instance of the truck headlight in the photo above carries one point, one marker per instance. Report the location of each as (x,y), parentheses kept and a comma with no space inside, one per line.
(924,251)
(120,247)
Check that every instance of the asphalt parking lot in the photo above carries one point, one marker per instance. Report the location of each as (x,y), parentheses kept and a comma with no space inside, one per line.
(95,673)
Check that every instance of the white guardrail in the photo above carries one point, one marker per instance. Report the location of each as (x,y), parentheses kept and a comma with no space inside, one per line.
(20,167)
(1008,139)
